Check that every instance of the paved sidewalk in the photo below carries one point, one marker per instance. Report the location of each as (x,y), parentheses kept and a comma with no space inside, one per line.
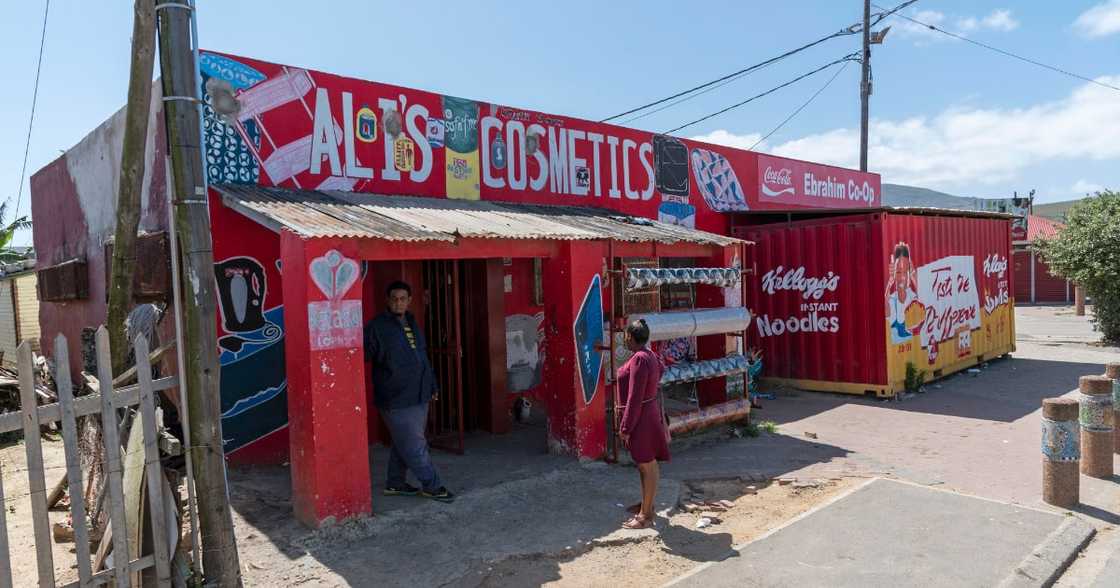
(889,533)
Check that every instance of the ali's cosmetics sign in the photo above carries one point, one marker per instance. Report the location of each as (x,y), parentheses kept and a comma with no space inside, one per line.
(788,183)
(334,323)
(285,126)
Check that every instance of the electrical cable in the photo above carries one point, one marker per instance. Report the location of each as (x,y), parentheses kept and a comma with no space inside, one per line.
(691,96)
(850,57)
(722,81)
(1007,53)
(731,76)
(802,107)
(34,101)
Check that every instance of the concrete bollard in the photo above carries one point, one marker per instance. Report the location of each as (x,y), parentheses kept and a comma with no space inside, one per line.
(1112,372)
(1095,415)
(1061,451)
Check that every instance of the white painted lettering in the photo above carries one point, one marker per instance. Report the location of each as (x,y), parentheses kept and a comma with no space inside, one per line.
(324,141)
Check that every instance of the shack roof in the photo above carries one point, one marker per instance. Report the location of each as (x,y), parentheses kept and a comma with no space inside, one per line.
(331,213)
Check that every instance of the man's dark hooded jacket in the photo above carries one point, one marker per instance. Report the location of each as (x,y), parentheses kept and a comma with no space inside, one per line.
(402,376)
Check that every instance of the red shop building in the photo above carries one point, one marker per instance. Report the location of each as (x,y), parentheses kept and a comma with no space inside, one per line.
(1034,284)
(529,236)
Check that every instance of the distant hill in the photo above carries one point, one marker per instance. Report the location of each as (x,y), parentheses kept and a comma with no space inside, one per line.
(900,195)
(1054,210)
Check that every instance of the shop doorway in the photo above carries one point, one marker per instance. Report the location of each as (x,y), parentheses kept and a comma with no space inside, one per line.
(464,326)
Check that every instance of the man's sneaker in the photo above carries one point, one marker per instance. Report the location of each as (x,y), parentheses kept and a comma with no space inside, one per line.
(442,495)
(402,490)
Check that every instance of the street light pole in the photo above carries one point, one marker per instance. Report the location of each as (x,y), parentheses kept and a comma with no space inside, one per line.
(865,85)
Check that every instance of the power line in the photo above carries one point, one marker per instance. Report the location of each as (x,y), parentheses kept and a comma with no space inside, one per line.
(802,107)
(849,57)
(695,95)
(1006,53)
(34,101)
(731,76)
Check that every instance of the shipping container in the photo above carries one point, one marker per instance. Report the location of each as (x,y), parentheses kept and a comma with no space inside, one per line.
(852,303)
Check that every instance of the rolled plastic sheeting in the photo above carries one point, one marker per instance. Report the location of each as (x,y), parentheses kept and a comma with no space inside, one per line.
(646,277)
(717,414)
(703,370)
(696,323)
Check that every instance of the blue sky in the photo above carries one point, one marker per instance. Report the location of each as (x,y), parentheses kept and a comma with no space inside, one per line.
(945,114)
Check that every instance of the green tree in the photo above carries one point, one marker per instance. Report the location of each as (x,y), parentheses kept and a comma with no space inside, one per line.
(1087,251)
(7,232)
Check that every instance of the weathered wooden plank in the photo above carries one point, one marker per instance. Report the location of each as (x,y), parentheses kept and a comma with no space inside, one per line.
(107,576)
(134,489)
(86,405)
(153,358)
(73,468)
(35,482)
(57,492)
(5,559)
(114,473)
(154,471)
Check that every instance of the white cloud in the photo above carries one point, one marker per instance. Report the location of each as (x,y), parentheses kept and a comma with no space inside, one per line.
(728,139)
(1000,20)
(1100,20)
(997,20)
(912,29)
(964,147)
(1082,187)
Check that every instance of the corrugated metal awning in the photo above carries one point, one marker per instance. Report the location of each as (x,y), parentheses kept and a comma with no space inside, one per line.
(408,218)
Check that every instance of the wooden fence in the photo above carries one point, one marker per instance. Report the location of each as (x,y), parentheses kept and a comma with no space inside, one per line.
(125,467)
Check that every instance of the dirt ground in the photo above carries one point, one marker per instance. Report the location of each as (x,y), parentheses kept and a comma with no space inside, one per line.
(21,534)
(754,509)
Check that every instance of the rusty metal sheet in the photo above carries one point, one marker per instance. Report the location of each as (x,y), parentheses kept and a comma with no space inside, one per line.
(406,218)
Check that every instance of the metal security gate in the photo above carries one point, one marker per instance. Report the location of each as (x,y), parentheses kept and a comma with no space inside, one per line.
(445,345)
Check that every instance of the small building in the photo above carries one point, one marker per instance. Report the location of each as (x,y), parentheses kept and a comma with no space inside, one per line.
(1034,284)
(19,309)
(528,239)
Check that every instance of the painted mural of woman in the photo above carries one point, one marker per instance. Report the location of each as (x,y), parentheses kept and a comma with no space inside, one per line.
(902,292)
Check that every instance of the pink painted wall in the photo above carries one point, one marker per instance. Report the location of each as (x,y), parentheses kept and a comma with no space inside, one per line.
(73,202)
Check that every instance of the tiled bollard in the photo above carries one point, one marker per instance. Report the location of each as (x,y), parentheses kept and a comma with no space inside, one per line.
(1095,415)
(1061,451)
(1112,372)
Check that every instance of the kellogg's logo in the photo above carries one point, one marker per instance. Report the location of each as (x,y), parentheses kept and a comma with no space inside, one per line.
(782,178)
(795,280)
(994,264)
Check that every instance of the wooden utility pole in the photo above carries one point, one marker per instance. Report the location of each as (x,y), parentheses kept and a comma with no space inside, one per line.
(132,177)
(199,373)
(865,85)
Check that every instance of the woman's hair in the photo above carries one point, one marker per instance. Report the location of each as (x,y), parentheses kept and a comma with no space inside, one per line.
(638,331)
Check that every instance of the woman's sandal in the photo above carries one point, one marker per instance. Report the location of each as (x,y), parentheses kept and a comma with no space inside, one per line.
(637,522)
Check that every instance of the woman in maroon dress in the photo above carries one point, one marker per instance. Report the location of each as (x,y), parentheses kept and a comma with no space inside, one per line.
(643,429)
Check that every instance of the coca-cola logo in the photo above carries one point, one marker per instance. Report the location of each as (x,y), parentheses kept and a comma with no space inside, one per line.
(781,176)
(782,180)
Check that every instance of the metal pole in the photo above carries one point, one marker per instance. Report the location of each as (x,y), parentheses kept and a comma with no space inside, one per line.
(865,85)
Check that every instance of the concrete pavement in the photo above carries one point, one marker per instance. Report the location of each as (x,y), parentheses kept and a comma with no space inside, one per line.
(890,533)
(978,435)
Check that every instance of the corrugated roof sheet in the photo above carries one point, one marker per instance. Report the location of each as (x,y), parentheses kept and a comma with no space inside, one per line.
(1042,227)
(408,218)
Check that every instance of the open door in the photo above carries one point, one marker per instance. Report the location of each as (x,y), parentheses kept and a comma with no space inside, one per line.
(445,344)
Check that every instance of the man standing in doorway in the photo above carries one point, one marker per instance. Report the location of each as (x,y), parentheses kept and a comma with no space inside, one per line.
(403,384)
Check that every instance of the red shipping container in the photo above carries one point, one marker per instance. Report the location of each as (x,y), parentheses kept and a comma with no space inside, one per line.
(846,303)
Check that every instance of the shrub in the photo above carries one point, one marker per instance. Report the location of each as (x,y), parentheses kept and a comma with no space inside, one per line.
(1087,251)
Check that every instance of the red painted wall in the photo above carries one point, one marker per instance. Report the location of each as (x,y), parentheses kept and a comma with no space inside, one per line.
(1048,288)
